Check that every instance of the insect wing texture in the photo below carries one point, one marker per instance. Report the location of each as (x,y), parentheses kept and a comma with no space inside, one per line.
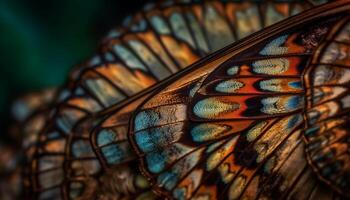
(232,126)
(152,45)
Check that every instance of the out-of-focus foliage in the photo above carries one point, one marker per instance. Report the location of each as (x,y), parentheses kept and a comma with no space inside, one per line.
(41,40)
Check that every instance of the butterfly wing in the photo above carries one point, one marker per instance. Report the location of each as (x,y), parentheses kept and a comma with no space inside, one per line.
(189,13)
(157,42)
(29,114)
(109,140)
(327,93)
(216,131)
(63,159)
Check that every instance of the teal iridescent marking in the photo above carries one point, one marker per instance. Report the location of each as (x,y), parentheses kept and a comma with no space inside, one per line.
(113,33)
(146,119)
(53,135)
(274,47)
(182,31)
(194,89)
(151,139)
(155,162)
(269,165)
(295,84)
(232,70)
(294,121)
(105,137)
(140,26)
(129,58)
(144,141)
(20,110)
(197,31)
(109,57)
(96,60)
(104,91)
(65,124)
(294,102)
(179,193)
(214,146)
(312,131)
(79,91)
(63,95)
(113,153)
(167,180)
(157,68)
(229,86)
(160,25)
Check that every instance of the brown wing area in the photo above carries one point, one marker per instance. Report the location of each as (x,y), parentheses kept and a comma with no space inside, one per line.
(328,102)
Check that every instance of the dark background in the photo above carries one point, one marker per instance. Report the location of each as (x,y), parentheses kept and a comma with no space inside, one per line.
(40,40)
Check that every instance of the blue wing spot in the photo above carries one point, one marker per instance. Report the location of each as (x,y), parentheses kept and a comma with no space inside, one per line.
(312,131)
(105,137)
(180,193)
(294,121)
(274,47)
(113,154)
(146,119)
(168,180)
(295,84)
(156,162)
(294,102)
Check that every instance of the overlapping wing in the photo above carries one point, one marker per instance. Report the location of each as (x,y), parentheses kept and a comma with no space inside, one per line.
(155,43)
(231,126)
(29,114)
(109,140)
(327,96)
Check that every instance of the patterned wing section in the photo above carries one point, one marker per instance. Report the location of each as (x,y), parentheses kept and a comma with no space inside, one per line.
(189,24)
(152,45)
(112,148)
(29,113)
(230,127)
(328,105)
(10,173)
(65,165)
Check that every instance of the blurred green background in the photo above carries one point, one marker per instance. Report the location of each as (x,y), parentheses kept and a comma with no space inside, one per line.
(42,39)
